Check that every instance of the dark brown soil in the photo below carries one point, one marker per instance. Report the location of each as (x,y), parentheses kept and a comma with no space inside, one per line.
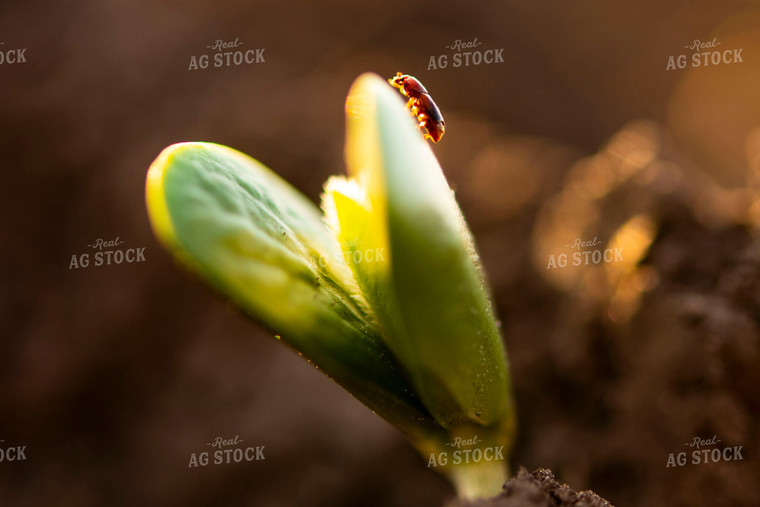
(539,489)
(604,404)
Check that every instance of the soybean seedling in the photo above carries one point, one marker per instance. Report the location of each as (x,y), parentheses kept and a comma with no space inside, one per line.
(411,333)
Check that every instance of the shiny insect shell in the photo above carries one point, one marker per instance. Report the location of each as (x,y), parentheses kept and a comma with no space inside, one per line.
(422,105)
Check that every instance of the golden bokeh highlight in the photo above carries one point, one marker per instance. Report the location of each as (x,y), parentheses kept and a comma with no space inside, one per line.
(626,279)
(576,211)
(610,198)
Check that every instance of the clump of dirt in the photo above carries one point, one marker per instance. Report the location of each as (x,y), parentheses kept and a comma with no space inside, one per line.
(539,489)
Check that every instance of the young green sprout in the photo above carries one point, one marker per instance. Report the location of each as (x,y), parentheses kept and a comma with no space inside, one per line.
(383,292)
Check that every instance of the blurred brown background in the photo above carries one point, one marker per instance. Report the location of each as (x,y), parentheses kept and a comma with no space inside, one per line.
(113,376)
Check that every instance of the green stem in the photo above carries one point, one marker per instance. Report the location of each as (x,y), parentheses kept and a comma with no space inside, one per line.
(478,480)
(474,458)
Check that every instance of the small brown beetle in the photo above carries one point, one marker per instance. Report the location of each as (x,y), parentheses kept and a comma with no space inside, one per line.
(422,105)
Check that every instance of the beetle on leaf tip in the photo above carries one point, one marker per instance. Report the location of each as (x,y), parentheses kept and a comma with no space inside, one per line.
(422,105)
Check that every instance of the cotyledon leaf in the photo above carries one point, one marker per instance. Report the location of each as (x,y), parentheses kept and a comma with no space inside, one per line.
(428,293)
(263,245)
